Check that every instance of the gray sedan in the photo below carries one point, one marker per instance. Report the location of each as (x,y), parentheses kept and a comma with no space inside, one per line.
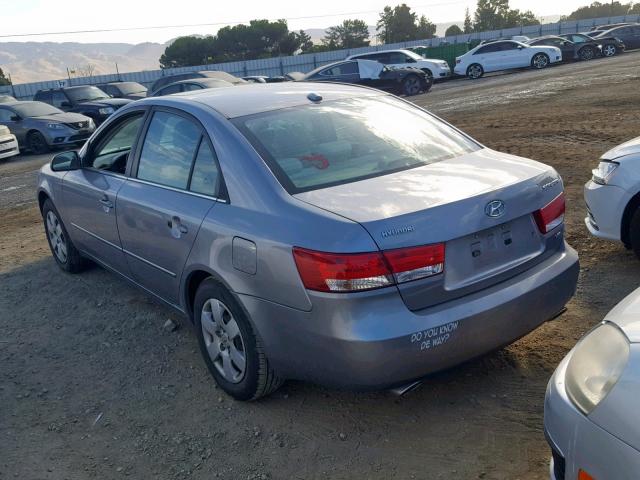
(39,126)
(591,417)
(320,232)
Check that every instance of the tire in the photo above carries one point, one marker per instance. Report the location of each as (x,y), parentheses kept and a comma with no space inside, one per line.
(634,233)
(587,53)
(428,72)
(475,71)
(226,337)
(609,50)
(411,85)
(62,248)
(37,143)
(540,61)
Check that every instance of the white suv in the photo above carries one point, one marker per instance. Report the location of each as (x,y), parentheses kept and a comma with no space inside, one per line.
(438,69)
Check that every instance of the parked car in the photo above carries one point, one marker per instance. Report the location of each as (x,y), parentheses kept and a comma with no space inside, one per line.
(328,233)
(505,55)
(6,99)
(86,100)
(128,90)
(163,81)
(591,416)
(628,34)
(609,26)
(436,68)
(190,85)
(39,126)
(607,46)
(515,38)
(587,50)
(613,196)
(8,144)
(401,81)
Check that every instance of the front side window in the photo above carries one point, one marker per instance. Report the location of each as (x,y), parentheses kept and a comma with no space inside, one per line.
(316,146)
(168,150)
(112,152)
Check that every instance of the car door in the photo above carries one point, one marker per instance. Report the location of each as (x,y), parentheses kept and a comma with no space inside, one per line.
(160,208)
(512,55)
(488,57)
(89,194)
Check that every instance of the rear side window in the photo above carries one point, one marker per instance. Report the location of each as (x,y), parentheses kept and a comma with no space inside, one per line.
(348,68)
(171,89)
(205,177)
(168,150)
(333,143)
(488,49)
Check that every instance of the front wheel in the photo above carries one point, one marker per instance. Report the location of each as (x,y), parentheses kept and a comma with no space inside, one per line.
(37,143)
(231,349)
(475,71)
(64,251)
(411,85)
(609,50)
(540,61)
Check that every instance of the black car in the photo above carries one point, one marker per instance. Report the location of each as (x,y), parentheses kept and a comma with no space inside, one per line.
(191,85)
(401,81)
(128,90)
(608,46)
(586,50)
(627,34)
(87,100)
(163,81)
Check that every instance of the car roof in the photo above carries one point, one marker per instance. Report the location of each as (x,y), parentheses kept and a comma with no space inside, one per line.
(263,97)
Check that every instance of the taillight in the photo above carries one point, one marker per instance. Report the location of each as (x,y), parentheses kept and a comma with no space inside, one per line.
(551,215)
(352,272)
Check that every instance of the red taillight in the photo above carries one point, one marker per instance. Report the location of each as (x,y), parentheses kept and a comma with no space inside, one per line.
(352,272)
(551,215)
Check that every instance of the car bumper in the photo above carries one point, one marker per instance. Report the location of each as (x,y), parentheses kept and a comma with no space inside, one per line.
(442,73)
(370,340)
(578,443)
(605,207)
(9,147)
(460,70)
(67,137)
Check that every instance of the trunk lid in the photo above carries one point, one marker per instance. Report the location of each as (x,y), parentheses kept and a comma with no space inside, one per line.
(445,202)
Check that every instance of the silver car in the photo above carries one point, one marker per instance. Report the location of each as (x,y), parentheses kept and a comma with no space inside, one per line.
(320,232)
(591,416)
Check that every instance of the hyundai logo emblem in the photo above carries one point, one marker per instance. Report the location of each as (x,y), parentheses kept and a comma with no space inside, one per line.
(494,209)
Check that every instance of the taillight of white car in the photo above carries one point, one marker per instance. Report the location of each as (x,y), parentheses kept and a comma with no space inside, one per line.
(354,272)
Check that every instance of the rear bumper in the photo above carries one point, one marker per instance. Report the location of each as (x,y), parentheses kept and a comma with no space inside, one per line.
(578,443)
(605,207)
(8,147)
(370,340)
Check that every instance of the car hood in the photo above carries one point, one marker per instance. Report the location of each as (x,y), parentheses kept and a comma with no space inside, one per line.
(107,102)
(629,148)
(627,316)
(67,117)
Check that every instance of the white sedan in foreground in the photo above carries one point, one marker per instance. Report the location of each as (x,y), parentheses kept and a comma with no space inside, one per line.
(504,55)
(613,196)
(591,415)
(8,143)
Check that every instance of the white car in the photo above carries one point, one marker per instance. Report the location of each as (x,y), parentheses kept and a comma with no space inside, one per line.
(438,69)
(504,55)
(8,143)
(613,196)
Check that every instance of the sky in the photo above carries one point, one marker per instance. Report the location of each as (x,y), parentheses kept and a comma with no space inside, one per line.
(45,16)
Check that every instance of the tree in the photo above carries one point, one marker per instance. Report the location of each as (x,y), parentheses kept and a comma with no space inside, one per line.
(468,24)
(400,24)
(4,80)
(608,9)
(85,70)
(306,44)
(188,51)
(452,31)
(349,34)
(496,15)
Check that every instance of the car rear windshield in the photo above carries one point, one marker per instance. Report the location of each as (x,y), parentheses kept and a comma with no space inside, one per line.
(333,143)
(35,109)
(85,94)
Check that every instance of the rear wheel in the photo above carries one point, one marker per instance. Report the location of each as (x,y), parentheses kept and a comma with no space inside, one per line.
(540,61)
(587,53)
(609,50)
(37,143)
(231,349)
(634,233)
(64,252)
(411,85)
(475,71)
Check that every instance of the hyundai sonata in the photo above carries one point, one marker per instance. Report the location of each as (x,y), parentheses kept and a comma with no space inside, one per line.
(321,232)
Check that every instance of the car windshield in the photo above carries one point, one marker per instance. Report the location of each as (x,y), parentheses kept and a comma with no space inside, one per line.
(128,88)
(35,109)
(333,143)
(85,94)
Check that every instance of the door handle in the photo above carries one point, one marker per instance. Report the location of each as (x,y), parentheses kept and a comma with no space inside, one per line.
(106,203)
(176,226)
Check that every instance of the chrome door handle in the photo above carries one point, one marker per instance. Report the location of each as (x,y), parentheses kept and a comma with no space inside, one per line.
(106,203)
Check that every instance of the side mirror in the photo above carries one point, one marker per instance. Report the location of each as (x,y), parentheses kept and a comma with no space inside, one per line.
(15,118)
(66,161)
(66,105)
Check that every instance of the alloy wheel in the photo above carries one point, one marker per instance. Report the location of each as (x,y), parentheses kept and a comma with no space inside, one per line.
(609,50)
(411,85)
(223,340)
(587,53)
(540,61)
(475,71)
(56,237)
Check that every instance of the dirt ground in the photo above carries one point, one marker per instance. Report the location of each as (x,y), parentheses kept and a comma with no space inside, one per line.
(92,386)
